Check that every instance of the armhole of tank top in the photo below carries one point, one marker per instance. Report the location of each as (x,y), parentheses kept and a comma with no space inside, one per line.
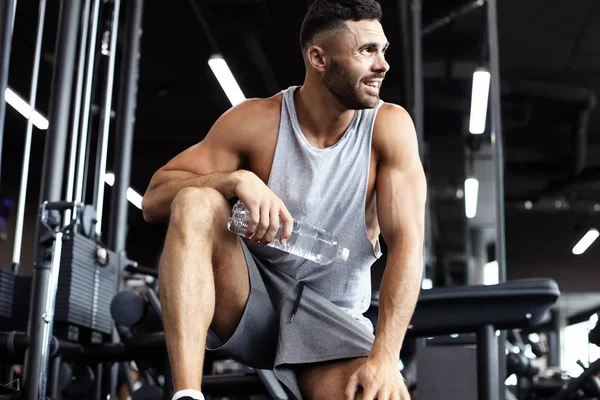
(275,153)
(377,245)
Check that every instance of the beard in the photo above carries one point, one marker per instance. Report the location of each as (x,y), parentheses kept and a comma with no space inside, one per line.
(343,86)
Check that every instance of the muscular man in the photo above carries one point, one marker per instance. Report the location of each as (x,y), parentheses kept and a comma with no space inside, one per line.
(329,153)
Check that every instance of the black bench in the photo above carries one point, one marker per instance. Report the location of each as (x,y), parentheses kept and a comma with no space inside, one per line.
(482,310)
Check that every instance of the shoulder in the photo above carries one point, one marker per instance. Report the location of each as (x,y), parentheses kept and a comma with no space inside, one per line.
(256,112)
(242,122)
(393,130)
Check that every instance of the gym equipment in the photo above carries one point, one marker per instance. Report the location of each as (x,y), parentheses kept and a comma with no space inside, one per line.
(140,313)
(530,386)
(481,310)
(7,18)
(75,274)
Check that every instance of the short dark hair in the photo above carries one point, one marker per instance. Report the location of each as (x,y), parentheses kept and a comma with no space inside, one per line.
(324,15)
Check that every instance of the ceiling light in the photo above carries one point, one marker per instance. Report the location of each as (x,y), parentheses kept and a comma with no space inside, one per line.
(226,80)
(24,109)
(586,241)
(134,197)
(491,273)
(479,101)
(471,191)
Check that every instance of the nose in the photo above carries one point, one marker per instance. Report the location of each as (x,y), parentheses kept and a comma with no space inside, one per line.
(381,65)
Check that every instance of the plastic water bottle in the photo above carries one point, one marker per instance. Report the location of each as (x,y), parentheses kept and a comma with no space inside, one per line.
(306,241)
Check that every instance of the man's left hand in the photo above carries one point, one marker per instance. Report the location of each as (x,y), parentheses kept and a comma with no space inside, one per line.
(379,379)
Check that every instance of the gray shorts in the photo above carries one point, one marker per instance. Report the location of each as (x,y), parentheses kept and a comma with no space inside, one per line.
(268,338)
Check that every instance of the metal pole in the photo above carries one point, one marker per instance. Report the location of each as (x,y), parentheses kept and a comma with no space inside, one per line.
(44,272)
(28,138)
(105,121)
(125,125)
(497,145)
(7,23)
(87,99)
(418,74)
(75,134)
(117,236)
(496,133)
(488,383)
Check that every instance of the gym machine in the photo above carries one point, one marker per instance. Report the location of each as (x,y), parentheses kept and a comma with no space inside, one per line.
(75,276)
(67,341)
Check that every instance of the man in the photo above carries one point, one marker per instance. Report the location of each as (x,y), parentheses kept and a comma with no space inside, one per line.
(331,154)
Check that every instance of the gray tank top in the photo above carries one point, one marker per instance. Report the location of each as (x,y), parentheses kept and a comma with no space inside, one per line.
(327,188)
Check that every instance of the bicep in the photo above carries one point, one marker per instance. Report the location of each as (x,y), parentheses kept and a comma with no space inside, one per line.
(401,183)
(205,158)
(401,197)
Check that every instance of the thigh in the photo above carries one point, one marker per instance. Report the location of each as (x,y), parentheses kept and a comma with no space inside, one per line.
(327,380)
(230,273)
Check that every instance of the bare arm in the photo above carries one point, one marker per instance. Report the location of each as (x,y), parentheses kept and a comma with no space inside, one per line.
(401,195)
(213,162)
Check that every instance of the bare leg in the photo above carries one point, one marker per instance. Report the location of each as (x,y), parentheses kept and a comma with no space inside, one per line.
(203,280)
(328,380)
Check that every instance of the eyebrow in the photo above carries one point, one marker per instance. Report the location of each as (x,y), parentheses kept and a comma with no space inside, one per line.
(374,44)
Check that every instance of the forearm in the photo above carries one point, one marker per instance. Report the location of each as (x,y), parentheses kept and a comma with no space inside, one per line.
(398,295)
(164,186)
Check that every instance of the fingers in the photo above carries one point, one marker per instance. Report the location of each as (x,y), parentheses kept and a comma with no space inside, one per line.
(404,393)
(370,393)
(273,227)
(263,225)
(264,222)
(254,211)
(351,388)
(288,224)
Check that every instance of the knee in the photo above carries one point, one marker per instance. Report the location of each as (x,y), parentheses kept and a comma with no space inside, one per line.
(199,208)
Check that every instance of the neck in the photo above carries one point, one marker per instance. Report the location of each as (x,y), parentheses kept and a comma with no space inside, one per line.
(320,114)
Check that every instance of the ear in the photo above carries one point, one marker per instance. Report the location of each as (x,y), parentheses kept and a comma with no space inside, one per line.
(316,58)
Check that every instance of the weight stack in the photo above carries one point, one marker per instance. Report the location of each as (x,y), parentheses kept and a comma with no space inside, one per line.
(86,287)
(7,293)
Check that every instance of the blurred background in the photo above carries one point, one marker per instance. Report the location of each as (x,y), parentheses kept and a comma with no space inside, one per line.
(546,199)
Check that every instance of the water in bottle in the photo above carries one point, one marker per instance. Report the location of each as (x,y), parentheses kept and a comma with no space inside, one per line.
(312,243)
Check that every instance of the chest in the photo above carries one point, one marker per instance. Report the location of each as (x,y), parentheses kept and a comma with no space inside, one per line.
(260,161)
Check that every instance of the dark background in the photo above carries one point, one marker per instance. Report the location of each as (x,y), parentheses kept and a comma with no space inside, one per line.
(554,44)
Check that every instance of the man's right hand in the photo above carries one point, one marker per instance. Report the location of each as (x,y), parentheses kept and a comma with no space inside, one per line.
(266,209)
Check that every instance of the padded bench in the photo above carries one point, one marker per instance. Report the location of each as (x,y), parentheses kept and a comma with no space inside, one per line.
(481,309)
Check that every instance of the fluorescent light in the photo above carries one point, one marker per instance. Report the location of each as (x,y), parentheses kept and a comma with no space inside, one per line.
(24,109)
(427,283)
(226,80)
(490,273)
(479,101)
(109,178)
(471,190)
(134,197)
(586,241)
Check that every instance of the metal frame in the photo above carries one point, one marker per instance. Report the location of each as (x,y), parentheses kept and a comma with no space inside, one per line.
(7,22)
(45,274)
(40,376)
(28,139)
(117,235)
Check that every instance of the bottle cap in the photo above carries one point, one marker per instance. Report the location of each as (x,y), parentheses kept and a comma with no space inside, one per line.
(344,255)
